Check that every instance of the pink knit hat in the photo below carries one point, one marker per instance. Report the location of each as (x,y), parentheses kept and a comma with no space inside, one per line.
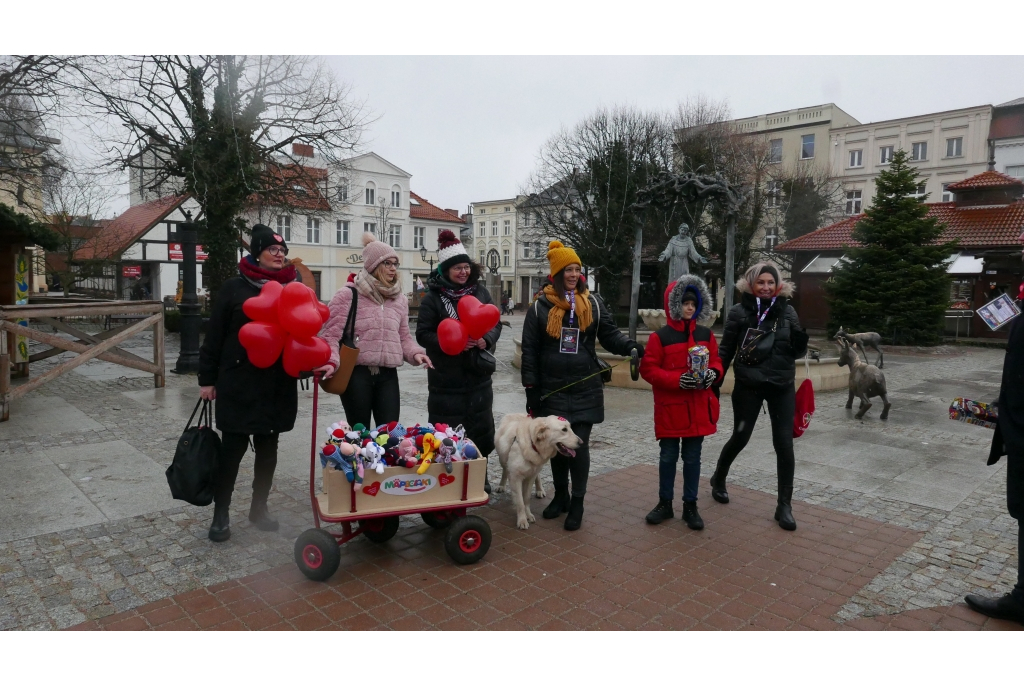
(375,252)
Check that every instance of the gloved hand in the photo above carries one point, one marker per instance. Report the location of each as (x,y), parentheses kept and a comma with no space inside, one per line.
(687,382)
(532,400)
(639,349)
(710,377)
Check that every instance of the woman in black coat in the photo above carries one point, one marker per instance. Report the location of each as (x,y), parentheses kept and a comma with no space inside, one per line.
(459,386)
(764,372)
(250,400)
(561,373)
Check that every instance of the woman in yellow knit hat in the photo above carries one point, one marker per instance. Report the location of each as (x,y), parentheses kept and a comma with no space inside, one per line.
(560,369)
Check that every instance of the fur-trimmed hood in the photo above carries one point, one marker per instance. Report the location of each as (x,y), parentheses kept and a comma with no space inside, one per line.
(786,290)
(674,299)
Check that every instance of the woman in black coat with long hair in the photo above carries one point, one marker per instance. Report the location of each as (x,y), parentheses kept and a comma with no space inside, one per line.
(765,371)
(251,401)
(459,386)
(561,373)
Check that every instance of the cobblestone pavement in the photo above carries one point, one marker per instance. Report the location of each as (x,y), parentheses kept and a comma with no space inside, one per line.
(60,567)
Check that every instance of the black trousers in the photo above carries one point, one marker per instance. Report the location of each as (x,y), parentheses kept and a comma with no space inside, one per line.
(375,394)
(1015,505)
(233,446)
(578,467)
(746,405)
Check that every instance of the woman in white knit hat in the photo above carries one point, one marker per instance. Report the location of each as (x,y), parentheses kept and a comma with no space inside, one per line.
(382,330)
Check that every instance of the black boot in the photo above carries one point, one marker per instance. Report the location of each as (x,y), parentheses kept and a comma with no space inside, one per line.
(558,506)
(220,529)
(718,488)
(259,515)
(487,484)
(692,518)
(662,512)
(575,516)
(1007,607)
(784,512)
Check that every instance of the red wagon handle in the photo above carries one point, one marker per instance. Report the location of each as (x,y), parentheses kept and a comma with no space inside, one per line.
(312,452)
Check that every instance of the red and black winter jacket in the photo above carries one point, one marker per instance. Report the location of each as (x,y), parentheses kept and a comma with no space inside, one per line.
(680,413)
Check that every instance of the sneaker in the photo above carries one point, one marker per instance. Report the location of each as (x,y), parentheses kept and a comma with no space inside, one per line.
(662,512)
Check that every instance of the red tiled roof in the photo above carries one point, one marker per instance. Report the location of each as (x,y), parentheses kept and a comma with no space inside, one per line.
(987,179)
(975,227)
(425,210)
(120,233)
(296,187)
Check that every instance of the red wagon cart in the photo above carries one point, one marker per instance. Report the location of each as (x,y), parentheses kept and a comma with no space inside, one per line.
(440,498)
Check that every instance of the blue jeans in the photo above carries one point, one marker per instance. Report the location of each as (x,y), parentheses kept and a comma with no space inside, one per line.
(670,453)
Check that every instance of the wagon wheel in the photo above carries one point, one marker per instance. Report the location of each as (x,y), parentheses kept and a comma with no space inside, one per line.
(317,554)
(439,520)
(379,529)
(468,539)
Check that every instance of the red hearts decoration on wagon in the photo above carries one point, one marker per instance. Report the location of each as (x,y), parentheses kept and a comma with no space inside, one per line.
(304,354)
(444,479)
(262,341)
(298,311)
(452,336)
(263,307)
(478,318)
(372,489)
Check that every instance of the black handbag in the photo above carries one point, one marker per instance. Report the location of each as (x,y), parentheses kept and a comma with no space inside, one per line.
(482,362)
(193,474)
(604,367)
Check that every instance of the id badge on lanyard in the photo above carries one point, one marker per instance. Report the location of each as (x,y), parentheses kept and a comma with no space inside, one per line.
(569,343)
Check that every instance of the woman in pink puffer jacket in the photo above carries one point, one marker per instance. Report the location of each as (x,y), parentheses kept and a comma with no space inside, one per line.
(382,334)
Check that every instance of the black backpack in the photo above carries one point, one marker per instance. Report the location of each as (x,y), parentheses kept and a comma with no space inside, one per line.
(193,473)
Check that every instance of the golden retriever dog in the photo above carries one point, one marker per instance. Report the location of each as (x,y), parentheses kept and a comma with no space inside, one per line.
(524,445)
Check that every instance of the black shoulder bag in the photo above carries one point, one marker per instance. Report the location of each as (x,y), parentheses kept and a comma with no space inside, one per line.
(192,476)
(605,367)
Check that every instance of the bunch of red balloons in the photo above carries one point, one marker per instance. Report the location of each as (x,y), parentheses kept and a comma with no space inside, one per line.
(285,318)
(475,320)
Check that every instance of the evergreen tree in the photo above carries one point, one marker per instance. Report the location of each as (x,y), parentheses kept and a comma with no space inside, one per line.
(895,283)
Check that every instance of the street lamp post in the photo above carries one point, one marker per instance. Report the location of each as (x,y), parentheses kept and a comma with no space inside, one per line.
(423,256)
(187,235)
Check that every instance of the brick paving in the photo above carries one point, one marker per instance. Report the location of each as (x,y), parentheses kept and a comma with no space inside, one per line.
(616,573)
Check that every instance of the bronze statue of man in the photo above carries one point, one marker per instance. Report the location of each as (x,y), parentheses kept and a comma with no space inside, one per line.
(680,250)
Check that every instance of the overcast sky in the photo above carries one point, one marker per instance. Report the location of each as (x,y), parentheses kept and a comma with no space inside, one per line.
(468,128)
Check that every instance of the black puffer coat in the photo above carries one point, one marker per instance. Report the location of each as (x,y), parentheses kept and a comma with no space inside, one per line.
(546,368)
(250,400)
(1009,434)
(457,392)
(779,369)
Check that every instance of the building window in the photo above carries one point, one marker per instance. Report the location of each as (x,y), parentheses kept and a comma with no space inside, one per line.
(954,147)
(775,151)
(853,201)
(507,208)
(947,194)
(419,237)
(856,158)
(483,211)
(481,256)
(370,227)
(919,151)
(284,227)
(508,227)
(526,219)
(342,233)
(1017,171)
(343,190)
(807,146)
(316,283)
(773,194)
(312,230)
(396,197)
(526,250)
(504,257)
(371,194)
(20,195)
(395,236)
(770,241)
(483,228)
(919,192)
(565,215)
(885,154)
(494,228)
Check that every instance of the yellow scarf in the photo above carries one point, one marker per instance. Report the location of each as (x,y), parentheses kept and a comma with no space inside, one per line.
(560,307)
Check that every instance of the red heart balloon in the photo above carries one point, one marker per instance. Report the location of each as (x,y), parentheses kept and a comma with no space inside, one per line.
(262,341)
(263,307)
(298,312)
(478,318)
(325,311)
(452,336)
(304,354)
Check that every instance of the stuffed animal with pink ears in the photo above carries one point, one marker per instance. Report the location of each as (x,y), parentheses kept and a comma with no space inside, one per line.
(407,454)
(373,455)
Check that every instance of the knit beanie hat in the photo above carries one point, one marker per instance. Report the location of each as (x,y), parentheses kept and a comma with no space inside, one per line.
(450,251)
(375,252)
(263,237)
(561,256)
(690,295)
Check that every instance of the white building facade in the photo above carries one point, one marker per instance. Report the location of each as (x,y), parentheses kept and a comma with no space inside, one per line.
(495,233)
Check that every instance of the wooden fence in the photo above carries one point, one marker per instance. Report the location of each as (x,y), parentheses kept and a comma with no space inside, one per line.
(135,316)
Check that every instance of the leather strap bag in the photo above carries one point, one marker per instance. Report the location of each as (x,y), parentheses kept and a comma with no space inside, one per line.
(193,474)
(348,353)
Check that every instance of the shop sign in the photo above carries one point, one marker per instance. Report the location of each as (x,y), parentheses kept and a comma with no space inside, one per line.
(131,271)
(175,255)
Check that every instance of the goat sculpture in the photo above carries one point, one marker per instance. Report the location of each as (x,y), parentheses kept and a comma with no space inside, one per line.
(864,341)
(866,381)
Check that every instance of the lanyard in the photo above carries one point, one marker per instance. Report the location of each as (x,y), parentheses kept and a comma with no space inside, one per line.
(572,306)
(761,317)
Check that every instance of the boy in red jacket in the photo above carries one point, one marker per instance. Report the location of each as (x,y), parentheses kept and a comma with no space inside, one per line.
(681,362)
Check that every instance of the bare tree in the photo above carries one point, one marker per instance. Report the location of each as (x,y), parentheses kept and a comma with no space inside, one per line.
(382,216)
